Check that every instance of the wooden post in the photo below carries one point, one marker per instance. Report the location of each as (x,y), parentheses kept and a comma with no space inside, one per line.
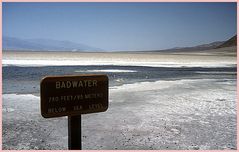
(74,132)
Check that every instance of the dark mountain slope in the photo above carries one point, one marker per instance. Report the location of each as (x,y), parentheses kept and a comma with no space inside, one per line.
(231,42)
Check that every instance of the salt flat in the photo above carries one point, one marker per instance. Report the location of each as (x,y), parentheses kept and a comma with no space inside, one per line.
(193,114)
(210,58)
(173,101)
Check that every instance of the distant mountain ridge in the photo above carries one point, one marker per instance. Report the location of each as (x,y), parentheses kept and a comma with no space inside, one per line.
(200,47)
(12,43)
(214,45)
(231,42)
(193,48)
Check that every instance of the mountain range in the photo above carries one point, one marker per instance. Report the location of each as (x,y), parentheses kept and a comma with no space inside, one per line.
(214,45)
(231,42)
(12,43)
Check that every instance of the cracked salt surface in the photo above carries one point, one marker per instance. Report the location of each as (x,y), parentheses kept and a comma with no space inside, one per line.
(182,114)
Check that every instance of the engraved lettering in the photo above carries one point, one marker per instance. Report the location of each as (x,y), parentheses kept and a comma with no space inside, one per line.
(58,85)
(80,97)
(75,84)
(94,83)
(73,95)
(53,99)
(80,84)
(93,95)
(56,110)
(63,85)
(68,84)
(85,82)
(96,106)
(75,108)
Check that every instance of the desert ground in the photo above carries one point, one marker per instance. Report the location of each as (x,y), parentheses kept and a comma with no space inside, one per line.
(193,107)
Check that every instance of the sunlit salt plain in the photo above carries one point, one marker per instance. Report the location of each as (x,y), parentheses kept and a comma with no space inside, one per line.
(183,114)
(121,59)
(195,113)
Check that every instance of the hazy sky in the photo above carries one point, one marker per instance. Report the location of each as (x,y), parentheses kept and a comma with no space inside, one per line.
(122,26)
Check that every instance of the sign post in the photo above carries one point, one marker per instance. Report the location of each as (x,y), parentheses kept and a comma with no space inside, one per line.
(72,96)
(74,132)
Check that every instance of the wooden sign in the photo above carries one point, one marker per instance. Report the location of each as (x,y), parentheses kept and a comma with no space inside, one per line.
(73,95)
